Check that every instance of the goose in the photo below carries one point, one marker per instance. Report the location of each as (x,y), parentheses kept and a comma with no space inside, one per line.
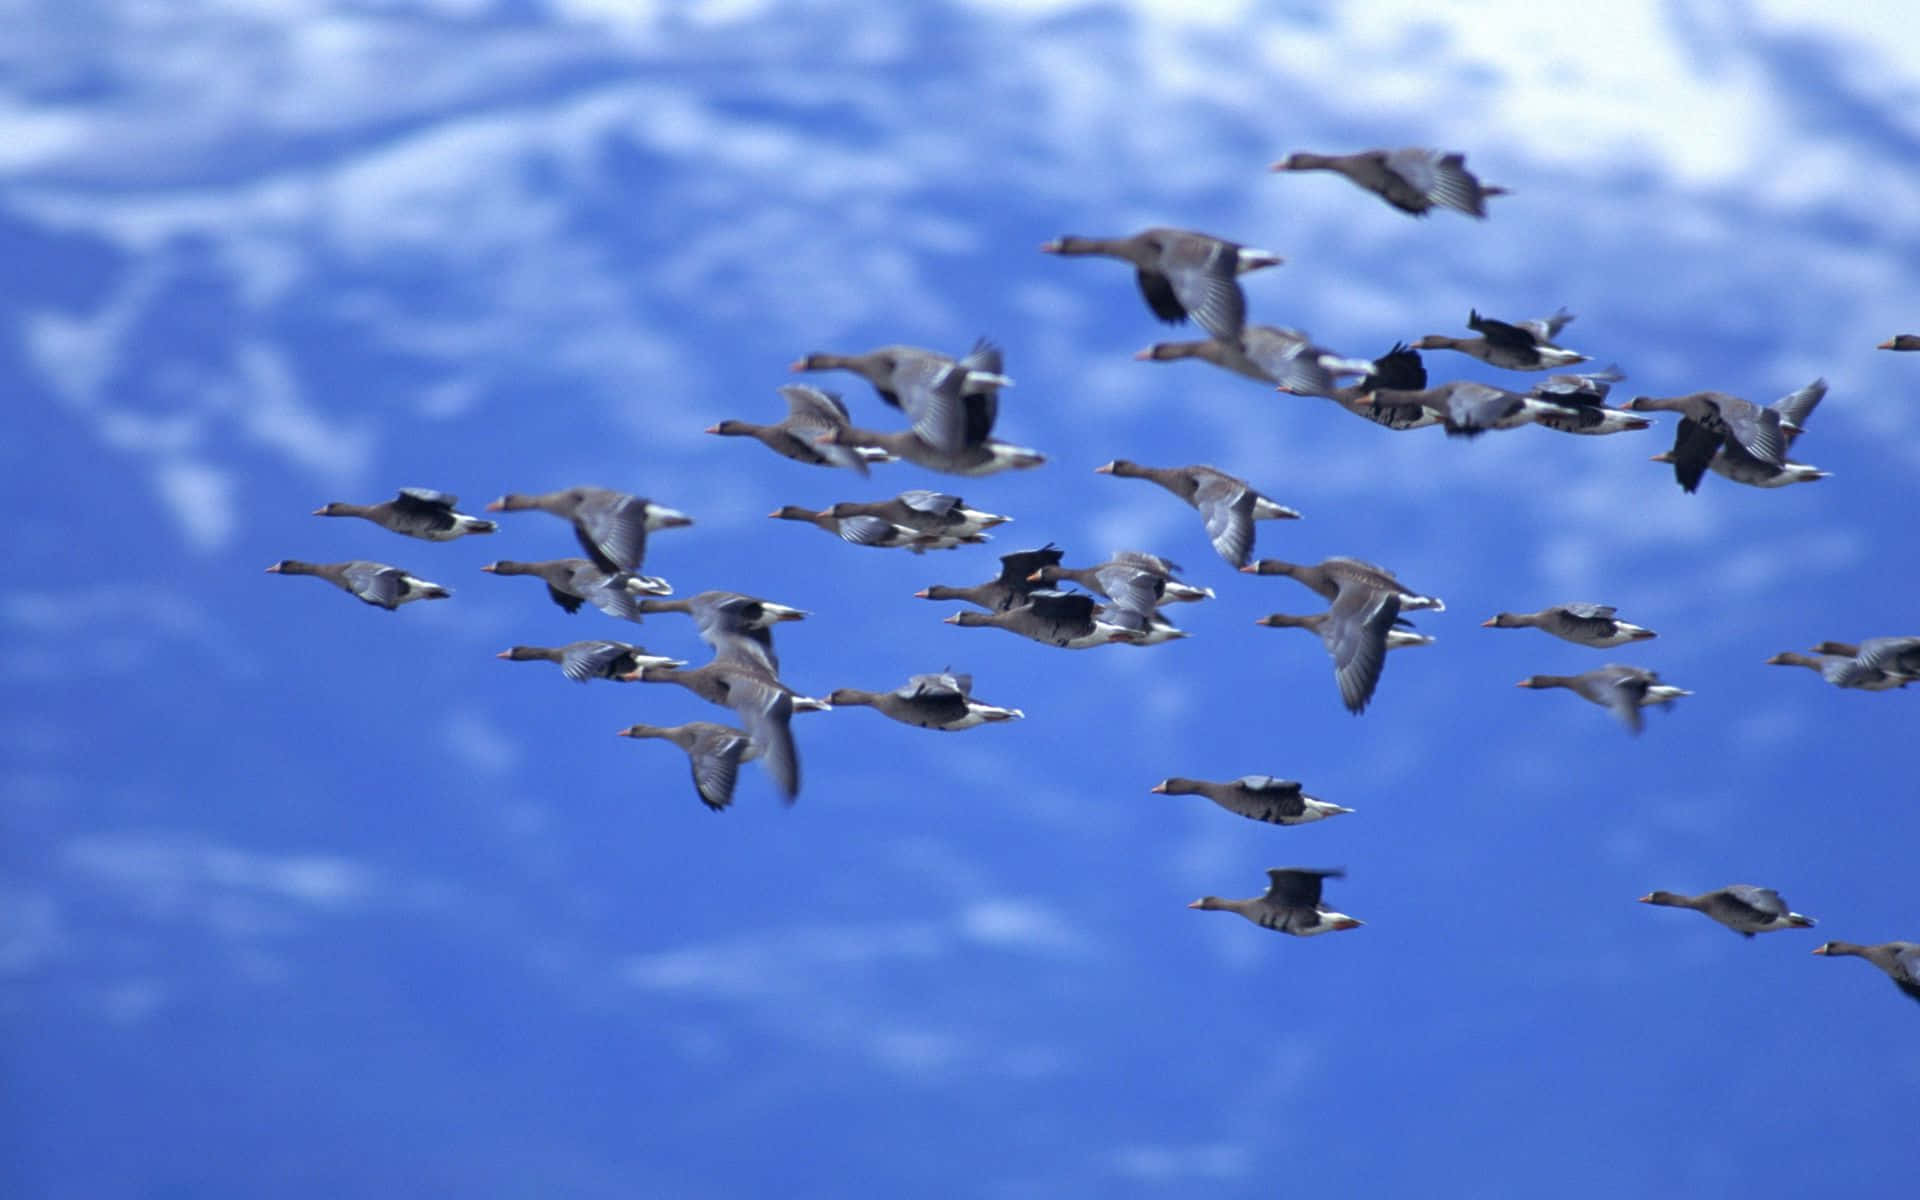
(1698,448)
(1008,589)
(1517,346)
(927,512)
(903,375)
(415,512)
(1745,909)
(572,582)
(1260,797)
(737,626)
(611,526)
(375,583)
(1894,655)
(1291,904)
(581,661)
(1622,689)
(1354,631)
(764,704)
(1413,179)
(1901,341)
(1714,419)
(1467,409)
(1328,576)
(1401,369)
(1150,626)
(1900,960)
(715,751)
(1130,578)
(1584,394)
(862,530)
(1287,358)
(1584,624)
(1182,274)
(811,414)
(987,457)
(1228,503)
(1064,619)
(941,701)
(1844,671)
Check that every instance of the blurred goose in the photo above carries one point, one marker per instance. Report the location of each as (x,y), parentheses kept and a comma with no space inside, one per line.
(1271,354)
(1064,619)
(927,512)
(1901,341)
(738,627)
(1519,346)
(1149,626)
(1467,409)
(1355,633)
(572,582)
(1621,689)
(1583,395)
(1261,797)
(942,701)
(1586,624)
(581,661)
(764,704)
(1698,447)
(375,583)
(862,530)
(1900,960)
(1130,578)
(1228,503)
(1182,274)
(1844,671)
(812,414)
(1291,905)
(1894,655)
(716,752)
(612,527)
(1008,589)
(1401,369)
(1413,179)
(1714,419)
(1662,694)
(1745,909)
(415,512)
(1331,574)
(904,375)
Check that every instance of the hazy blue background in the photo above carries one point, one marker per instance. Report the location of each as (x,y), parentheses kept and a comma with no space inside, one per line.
(305,899)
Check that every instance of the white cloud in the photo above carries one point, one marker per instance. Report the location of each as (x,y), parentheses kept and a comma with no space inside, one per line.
(176,875)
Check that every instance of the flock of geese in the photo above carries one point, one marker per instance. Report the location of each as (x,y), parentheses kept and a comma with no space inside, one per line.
(951,406)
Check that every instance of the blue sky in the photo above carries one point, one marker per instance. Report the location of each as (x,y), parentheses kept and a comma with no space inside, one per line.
(310,899)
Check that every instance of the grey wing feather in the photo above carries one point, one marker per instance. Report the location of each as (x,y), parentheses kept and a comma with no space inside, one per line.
(1297,887)
(869,531)
(1589,612)
(1202,273)
(767,711)
(937,504)
(1227,506)
(377,583)
(1796,406)
(1756,429)
(589,660)
(1764,901)
(715,758)
(613,531)
(1357,639)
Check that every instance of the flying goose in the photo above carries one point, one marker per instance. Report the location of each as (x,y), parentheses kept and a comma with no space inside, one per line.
(1621,689)
(737,626)
(1584,624)
(611,526)
(941,701)
(864,530)
(715,751)
(581,661)
(1745,909)
(572,582)
(1064,619)
(1412,179)
(1286,358)
(764,704)
(1516,346)
(812,414)
(414,512)
(1900,960)
(1330,574)
(935,513)
(1355,631)
(1008,589)
(1260,797)
(375,583)
(1291,905)
(1227,503)
(1182,274)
